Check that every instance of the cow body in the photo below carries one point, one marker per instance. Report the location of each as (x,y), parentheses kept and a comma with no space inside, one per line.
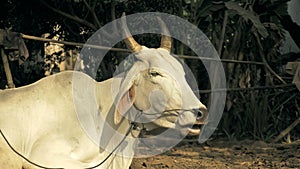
(41,123)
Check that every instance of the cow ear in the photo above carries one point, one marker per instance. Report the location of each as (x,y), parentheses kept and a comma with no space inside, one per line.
(124,104)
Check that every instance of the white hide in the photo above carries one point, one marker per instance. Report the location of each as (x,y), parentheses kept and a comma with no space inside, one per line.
(40,122)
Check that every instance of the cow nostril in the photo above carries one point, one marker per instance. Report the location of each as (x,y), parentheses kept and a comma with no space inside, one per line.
(199,114)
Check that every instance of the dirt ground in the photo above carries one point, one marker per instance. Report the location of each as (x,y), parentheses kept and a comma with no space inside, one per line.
(221,154)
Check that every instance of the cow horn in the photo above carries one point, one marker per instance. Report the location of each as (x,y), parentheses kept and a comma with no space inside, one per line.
(129,41)
(166,40)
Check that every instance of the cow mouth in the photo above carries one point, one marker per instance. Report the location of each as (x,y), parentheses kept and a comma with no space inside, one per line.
(193,132)
(192,129)
(195,129)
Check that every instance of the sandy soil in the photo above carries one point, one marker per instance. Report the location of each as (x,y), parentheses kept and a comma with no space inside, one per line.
(225,154)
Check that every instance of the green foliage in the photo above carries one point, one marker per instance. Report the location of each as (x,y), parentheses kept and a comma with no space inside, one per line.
(247,14)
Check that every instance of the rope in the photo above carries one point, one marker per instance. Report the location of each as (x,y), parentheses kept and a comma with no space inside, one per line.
(33,163)
(107,157)
(99,164)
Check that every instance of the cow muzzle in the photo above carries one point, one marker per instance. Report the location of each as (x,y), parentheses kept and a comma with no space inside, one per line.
(201,116)
(191,120)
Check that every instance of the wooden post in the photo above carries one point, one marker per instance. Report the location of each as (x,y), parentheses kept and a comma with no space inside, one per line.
(10,83)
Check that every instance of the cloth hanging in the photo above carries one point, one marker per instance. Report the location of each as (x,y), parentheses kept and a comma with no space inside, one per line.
(14,44)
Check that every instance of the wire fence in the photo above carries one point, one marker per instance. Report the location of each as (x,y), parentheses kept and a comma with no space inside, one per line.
(29,37)
(128,51)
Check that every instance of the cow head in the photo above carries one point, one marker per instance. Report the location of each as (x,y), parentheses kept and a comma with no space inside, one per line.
(156,86)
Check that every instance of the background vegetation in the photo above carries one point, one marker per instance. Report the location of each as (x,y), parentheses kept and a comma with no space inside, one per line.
(249,31)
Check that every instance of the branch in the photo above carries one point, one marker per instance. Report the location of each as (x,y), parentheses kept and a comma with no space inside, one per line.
(75,18)
(94,5)
(113,14)
(287,130)
(223,33)
(91,9)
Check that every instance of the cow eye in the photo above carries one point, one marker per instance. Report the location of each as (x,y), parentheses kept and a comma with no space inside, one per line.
(154,73)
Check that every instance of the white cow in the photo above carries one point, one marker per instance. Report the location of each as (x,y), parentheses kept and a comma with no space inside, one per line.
(41,121)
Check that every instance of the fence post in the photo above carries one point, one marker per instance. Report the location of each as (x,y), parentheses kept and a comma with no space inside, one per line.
(10,83)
